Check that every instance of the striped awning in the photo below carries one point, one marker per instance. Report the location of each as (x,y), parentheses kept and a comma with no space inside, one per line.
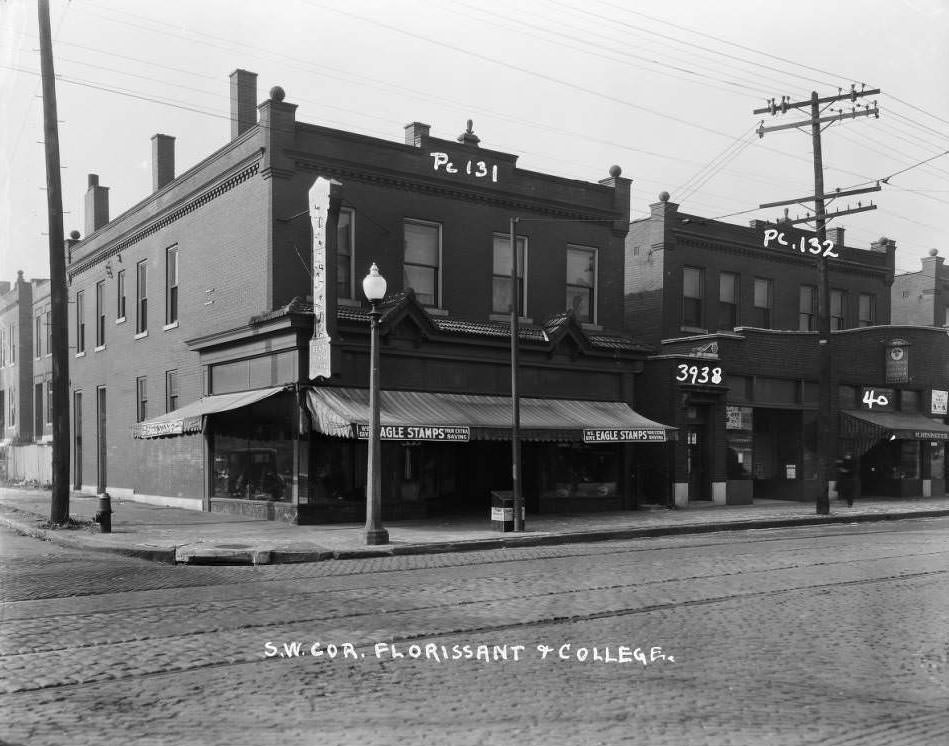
(191,417)
(413,415)
(896,425)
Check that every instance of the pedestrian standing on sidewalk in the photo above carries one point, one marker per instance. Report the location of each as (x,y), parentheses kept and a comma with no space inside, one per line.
(846,478)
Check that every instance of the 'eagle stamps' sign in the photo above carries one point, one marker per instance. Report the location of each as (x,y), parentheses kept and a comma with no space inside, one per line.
(939,402)
(623,436)
(324,262)
(453,433)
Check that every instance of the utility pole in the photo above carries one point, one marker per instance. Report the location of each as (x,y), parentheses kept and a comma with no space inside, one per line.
(827,381)
(59,335)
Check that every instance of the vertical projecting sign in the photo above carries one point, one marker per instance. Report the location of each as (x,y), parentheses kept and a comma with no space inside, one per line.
(324,200)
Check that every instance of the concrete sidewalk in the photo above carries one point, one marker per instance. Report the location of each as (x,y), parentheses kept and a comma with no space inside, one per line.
(171,535)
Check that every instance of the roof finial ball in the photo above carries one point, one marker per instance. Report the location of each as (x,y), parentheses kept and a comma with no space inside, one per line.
(277,94)
(615,171)
(933,252)
(663,196)
(74,235)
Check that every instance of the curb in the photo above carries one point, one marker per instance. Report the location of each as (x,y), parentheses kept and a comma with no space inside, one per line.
(202,554)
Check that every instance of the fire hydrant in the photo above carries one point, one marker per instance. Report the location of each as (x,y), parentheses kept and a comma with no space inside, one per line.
(104,516)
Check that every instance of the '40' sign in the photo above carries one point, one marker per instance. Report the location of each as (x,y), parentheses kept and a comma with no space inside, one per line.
(878,399)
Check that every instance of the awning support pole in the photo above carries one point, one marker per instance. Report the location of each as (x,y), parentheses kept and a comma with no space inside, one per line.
(515,396)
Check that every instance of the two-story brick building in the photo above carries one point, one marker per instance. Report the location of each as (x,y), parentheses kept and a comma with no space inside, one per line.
(734,311)
(922,298)
(193,316)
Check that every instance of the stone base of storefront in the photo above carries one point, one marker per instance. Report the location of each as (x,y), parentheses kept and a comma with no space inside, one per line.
(343,511)
(580,504)
(264,510)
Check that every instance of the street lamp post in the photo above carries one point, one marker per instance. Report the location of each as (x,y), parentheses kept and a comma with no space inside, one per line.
(374,286)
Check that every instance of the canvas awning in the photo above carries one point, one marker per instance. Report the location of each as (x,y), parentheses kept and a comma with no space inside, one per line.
(190,418)
(873,426)
(412,415)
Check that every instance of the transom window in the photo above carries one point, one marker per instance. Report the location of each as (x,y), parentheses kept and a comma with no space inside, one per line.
(422,262)
(581,282)
(501,277)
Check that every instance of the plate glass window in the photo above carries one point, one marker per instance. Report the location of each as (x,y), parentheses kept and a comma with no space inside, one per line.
(807,309)
(345,235)
(422,263)
(501,275)
(141,398)
(581,283)
(764,302)
(866,310)
(171,285)
(693,295)
(141,297)
(728,294)
(81,321)
(100,313)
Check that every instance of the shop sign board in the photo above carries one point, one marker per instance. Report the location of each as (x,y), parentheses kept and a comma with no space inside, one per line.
(897,361)
(453,433)
(939,402)
(324,265)
(158,429)
(592,435)
(877,400)
(930,435)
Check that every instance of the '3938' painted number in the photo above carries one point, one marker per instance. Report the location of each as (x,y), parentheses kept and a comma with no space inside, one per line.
(698,374)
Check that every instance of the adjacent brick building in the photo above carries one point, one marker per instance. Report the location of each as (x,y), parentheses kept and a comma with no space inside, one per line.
(922,298)
(734,311)
(193,316)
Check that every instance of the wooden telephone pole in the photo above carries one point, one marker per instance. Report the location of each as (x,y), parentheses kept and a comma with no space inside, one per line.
(827,385)
(59,335)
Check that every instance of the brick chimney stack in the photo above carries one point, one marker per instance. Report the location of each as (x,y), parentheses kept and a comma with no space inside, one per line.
(243,102)
(163,161)
(415,133)
(97,205)
(837,236)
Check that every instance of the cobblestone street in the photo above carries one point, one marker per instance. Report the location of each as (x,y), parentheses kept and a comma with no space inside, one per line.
(819,635)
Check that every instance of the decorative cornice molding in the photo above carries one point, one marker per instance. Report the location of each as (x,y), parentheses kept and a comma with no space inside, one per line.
(166,217)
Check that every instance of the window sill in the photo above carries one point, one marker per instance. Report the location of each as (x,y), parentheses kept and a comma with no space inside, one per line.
(141,335)
(100,348)
(81,354)
(435,311)
(120,320)
(173,325)
(693,329)
(507,317)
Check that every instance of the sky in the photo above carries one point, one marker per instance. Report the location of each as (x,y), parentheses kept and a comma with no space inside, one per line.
(664,90)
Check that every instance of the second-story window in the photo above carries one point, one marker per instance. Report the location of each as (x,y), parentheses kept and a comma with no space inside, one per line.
(422,263)
(141,398)
(141,297)
(866,311)
(728,295)
(13,345)
(49,334)
(38,338)
(120,296)
(581,282)
(838,305)
(693,297)
(80,321)
(345,254)
(764,302)
(501,274)
(100,313)
(807,309)
(171,285)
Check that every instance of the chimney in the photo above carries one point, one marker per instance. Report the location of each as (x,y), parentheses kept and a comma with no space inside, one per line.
(243,102)
(415,133)
(97,205)
(837,236)
(663,208)
(932,264)
(163,161)
(883,245)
